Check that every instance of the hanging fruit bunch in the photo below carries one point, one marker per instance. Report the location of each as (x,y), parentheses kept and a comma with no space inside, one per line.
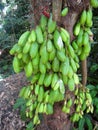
(50,61)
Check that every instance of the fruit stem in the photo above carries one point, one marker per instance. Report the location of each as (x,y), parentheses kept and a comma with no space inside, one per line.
(84,72)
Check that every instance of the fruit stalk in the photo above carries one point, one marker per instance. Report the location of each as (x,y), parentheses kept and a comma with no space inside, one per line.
(84,72)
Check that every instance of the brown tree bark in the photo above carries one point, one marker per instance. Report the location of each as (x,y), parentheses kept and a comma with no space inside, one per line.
(59,120)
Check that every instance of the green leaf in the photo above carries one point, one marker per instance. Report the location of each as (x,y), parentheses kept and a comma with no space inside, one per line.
(23,112)
(88,122)
(19,103)
(81,124)
(94,68)
(91,87)
(30,126)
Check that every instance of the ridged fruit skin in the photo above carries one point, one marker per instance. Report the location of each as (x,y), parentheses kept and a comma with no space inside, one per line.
(58,40)
(94,3)
(23,38)
(28,69)
(34,49)
(77,29)
(39,34)
(32,36)
(16,65)
(64,12)
(43,22)
(83,18)
(51,25)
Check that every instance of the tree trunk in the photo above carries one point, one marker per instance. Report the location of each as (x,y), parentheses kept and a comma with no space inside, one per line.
(59,120)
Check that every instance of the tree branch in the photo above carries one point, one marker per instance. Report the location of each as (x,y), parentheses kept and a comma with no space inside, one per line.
(56,9)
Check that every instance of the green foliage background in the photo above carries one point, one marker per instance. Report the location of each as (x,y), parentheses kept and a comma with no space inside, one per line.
(14,20)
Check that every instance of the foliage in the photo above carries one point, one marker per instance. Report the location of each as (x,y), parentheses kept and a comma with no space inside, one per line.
(14,20)
(88,120)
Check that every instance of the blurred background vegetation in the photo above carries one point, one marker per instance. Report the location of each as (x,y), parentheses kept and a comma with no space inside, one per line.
(14,20)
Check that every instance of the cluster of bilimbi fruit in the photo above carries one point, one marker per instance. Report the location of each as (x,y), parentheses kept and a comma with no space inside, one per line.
(51,61)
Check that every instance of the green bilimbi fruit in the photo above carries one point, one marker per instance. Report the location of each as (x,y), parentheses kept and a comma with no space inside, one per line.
(62,87)
(29,102)
(44,55)
(70,72)
(34,49)
(85,40)
(76,78)
(55,65)
(22,91)
(57,85)
(26,58)
(94,3)
(51,25)
(61,55)
(86,49)
(65,32)
(41,94)
(41,108)
(89,18)
(48,80)
(80,39)
(53,97)
(23,38)
(64,68)
(73,65)
(83,18)
(26,48)
(35,61)
(79,51)
(28,69)
(37,89)
(74,45)
(65,36)
(65,79)
(58,40)
(64,11)
(65,109)
(39,34)
(83,56)
(42,68)
(36,120)
(16,65)
(54,80)
(27,93)
(71,84)
(49,108)
(88,30)
(18,49)
(49,45)
(46,97)
(41,79)
(19,56)
(32,36)
(69,103)
(76,58)
(35,78)
(71,51)
(43,22)
(52,54)
(77,29)
(13,50)
(48,65)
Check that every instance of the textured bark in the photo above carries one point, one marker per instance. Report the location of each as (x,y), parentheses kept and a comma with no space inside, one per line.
(59,120)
